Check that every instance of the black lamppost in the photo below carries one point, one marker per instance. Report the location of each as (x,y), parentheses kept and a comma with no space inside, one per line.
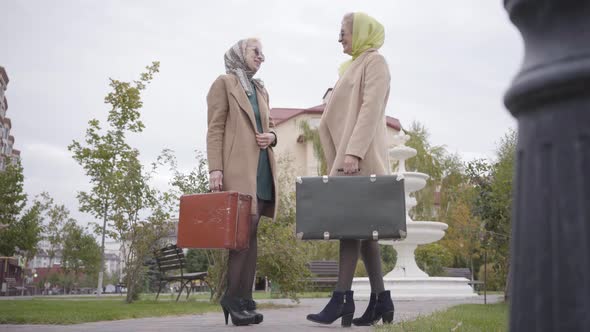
(550,97)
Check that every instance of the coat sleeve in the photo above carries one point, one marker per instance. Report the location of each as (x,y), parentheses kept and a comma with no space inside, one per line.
(217,109)
(372,111)
(328,147)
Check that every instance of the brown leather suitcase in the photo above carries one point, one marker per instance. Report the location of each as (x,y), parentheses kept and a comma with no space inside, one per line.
(218,220)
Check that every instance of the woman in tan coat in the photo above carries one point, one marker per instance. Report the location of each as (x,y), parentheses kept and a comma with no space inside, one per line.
(353,135)
(239,151)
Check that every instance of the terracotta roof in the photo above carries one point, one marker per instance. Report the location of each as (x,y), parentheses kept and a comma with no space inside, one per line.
(8,122)
(16,152)
(393,123)
(280,115)
(11,138)
(4,75)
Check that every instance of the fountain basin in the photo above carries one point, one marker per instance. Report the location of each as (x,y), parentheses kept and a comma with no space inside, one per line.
(417,288)
(414,181)
(402,152)
(421,232)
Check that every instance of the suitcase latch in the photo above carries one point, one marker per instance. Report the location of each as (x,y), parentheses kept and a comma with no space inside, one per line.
(375,235)
(326,235)
(373,177)
(325,178)
(299,180)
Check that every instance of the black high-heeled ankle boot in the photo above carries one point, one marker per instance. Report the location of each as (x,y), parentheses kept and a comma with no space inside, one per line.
(384,308)
(367,318)
(341,305)
(236,308)
(251,308)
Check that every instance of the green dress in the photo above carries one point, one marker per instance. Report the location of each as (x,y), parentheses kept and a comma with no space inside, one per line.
(264,183)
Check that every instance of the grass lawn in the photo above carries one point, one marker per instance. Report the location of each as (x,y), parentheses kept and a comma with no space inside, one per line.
(41,310)
(466,317)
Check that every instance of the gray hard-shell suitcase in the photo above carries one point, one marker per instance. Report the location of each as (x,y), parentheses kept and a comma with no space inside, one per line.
(350,207)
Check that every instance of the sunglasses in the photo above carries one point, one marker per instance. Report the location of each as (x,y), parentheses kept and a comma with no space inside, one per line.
(257,52)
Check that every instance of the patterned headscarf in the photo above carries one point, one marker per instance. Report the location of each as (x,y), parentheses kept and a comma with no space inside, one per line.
(367,33)
(235,63)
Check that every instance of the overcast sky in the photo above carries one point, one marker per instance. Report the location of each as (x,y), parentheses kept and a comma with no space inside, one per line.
(450,63)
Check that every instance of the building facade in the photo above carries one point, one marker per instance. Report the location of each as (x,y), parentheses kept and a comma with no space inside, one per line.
(294,149)
(6,140)
(113,257)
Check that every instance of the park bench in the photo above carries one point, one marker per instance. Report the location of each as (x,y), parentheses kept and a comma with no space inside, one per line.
(462,272)
(324,274)
(171,267)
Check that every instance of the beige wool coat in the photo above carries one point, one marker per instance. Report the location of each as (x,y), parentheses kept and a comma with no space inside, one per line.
(231,140)
(354,121)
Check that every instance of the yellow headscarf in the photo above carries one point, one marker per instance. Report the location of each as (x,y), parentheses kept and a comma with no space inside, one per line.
(367,33)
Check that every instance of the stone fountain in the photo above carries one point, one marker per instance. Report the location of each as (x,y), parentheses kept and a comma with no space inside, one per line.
(407,280)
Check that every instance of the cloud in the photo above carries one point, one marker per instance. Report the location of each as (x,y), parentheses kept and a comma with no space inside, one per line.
(450,66)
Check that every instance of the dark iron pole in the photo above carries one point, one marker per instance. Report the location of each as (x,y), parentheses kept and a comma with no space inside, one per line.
(550,97)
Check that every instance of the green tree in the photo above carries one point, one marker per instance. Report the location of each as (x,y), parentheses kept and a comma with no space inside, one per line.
(463,235)
(449,184)
(28,231)
(312,135)
(80,252)
(197,260)
(282,258)
(22,227)
(196,181)
(493,201)
(442,168)
(431,258)
(12,196)
(120,189)
(55,218)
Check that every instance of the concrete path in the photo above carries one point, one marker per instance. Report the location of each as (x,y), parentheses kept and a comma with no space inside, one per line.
(288,319)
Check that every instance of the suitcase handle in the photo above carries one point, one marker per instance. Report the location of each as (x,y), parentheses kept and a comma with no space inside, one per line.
(342,170)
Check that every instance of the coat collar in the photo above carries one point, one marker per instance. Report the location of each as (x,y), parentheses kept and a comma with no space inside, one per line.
(240,95)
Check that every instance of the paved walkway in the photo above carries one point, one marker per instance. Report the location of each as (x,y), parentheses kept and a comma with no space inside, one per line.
(289,319)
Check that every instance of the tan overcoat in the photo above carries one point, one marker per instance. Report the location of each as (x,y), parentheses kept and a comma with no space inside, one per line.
(354,121)
(231,140)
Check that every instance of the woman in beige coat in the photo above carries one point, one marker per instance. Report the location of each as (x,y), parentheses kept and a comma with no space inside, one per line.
(239,151)
(353,135)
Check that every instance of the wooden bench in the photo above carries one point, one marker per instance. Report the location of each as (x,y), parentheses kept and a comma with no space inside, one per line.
(462,272)
(171,265)
(324,274)
(119,288)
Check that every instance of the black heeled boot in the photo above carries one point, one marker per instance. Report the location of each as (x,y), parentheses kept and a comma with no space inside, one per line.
(236,308)
(251,308)
(341,305)
(384,308)
(367,318)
